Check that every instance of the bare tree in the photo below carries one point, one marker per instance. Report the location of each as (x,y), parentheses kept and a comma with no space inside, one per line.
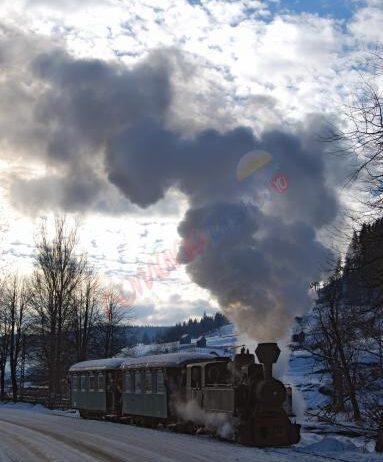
(114,314)
(59,271)
(87,301)
(362,134)
(332,341)
(4,339)
(16,302)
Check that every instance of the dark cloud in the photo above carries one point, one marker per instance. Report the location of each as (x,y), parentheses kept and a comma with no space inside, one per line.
(102,127)
(78,106)
(147,159)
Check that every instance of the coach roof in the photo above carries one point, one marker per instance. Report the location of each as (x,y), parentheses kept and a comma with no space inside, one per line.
(168,360)
(97,364)
(161,360)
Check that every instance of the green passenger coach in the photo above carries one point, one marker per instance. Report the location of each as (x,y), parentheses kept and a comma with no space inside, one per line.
(153,384)
(147,387)
(95,387)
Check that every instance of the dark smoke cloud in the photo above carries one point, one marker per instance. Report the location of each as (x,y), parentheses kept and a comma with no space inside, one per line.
(147,159)
(257,261)
(101,127)
(259,270)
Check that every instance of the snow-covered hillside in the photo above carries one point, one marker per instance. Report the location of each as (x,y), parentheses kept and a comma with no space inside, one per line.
(219,342)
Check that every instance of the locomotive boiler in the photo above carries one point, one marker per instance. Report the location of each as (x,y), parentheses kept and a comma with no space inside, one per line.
(151,389)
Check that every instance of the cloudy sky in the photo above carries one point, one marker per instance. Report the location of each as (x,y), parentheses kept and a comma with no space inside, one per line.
(132,117)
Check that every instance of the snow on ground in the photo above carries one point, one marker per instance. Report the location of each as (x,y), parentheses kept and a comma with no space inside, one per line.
(34,434)
(306,380)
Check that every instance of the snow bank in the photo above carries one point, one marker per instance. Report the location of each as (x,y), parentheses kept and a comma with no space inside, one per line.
(330,445)
(38,408)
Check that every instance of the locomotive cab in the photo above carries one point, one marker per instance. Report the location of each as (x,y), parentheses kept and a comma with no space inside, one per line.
(210,385)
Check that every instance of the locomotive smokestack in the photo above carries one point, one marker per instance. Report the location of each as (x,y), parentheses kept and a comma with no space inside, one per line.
(267,354)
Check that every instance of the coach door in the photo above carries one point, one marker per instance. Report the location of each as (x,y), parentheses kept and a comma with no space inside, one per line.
(195,379)
(113,390)
(110,390)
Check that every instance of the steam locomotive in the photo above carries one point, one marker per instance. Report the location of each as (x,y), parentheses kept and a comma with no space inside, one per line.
(152,389)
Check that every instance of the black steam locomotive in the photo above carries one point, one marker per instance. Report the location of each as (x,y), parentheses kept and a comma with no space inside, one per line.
(153,389)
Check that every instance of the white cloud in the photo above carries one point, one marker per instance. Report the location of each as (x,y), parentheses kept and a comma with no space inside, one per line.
(366,25)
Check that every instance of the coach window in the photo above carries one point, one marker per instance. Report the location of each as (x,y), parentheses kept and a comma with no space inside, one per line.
(160,382)
(100,382)
(74,382)
(217,374)
(196,377)
(132,376)
(148,382)
(92,382)
(138,381)
(128,382)
(83,383)
(154,381)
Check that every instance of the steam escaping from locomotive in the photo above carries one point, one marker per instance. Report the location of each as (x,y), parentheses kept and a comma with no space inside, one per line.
(257,266)
(218,423)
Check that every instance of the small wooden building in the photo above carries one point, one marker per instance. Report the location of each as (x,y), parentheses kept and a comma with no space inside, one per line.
(201,342)
(185,339)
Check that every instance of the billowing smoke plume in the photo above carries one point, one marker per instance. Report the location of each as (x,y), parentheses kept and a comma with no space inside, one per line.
(260,271)
(105,126)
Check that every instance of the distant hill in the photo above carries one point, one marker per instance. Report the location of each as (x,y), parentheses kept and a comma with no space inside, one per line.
(134,335)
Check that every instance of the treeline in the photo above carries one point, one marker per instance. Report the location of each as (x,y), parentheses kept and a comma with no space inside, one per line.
(146,334)
(345,333)
(58,315)
(193,327)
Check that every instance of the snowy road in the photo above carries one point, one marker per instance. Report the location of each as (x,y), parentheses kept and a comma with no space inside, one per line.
(30,436)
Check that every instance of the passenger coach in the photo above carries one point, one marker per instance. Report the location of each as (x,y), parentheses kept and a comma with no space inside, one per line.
(146,386)
(95,387)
